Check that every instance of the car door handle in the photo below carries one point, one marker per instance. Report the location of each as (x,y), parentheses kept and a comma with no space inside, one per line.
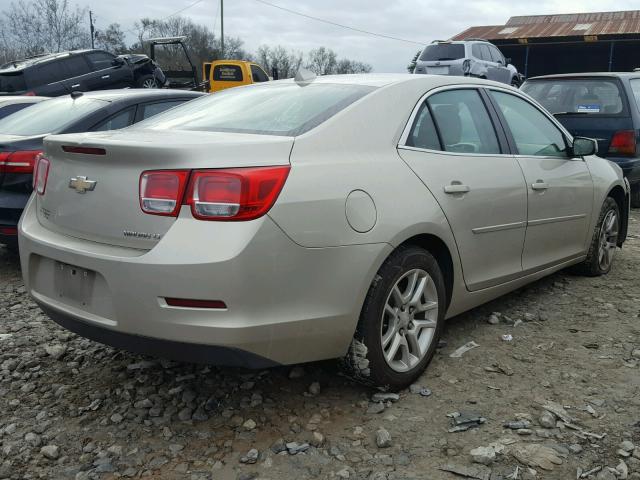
(104,77)
(75,86)
(456,188)
(539,185)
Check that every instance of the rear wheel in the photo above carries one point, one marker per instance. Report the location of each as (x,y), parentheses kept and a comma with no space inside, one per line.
(604,243)
(400,322)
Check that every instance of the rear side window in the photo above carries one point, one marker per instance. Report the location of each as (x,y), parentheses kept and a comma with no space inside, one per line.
(120,120)
(258,74)
(423,132)
(151,109)
(463,122)
(12,82)
(591,96)
(51,72)
(443,52)
(532,131)
(227,73)
(75,66)
(285,109)
(635,87)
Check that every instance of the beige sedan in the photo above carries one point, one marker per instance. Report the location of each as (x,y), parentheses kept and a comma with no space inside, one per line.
(337,217)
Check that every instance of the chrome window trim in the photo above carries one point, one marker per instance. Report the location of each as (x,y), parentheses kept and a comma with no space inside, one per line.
(402,143)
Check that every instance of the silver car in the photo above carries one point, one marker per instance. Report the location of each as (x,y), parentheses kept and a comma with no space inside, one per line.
(342,217)
(467,58)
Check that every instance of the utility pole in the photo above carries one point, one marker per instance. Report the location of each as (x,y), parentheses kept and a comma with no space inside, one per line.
(222,29)
(93,35)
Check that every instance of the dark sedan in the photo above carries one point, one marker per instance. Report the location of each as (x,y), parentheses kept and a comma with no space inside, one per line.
(22,135)
(602,106)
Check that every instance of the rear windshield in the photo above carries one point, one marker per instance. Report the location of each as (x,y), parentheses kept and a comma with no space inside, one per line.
(286,109)
(227,73)
(12,82)
(442,52)
(635,86)
(590,96)
(49,116)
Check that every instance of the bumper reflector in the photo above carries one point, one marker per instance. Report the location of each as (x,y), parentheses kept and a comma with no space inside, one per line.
(190,303)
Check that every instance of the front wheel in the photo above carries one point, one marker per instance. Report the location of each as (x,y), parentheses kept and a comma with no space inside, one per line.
(148,81)
(400,322)
(604,242)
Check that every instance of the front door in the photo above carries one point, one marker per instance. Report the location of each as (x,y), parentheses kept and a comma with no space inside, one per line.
(454,148)
(560,188)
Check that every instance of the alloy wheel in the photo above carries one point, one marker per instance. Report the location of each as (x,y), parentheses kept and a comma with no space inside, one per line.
(608,240)
(150,83)
(409,320)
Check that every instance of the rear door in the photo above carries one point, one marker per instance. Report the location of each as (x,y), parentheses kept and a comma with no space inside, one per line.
(78,73)
(51,78)
(559,188)
(459,152)
(104,74)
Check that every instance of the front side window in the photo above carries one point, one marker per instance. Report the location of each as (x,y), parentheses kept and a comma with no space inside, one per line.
(76,66)
(50,116)
(285,109)
(532,131)
(463,122)
(100,60)
(258,74)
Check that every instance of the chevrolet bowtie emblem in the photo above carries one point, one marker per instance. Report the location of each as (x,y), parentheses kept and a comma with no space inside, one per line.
(81,184)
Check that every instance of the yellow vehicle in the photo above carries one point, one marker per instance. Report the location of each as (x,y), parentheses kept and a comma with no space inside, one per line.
(223,74)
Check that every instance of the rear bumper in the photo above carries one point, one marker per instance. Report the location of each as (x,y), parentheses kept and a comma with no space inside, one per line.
(11,207)
(285,303)
(630,167)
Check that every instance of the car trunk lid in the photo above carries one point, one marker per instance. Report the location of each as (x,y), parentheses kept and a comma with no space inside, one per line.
(600,127)
(111,213)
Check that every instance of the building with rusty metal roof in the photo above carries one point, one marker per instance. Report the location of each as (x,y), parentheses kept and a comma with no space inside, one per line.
(567,43)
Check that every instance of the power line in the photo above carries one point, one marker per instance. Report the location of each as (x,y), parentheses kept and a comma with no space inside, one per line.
(133,30)
(335,24)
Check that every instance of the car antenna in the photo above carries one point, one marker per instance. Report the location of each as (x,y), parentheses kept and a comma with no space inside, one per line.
(305,77)
(76,94)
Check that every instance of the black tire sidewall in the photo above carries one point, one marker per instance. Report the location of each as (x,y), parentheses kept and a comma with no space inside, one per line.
(369,328)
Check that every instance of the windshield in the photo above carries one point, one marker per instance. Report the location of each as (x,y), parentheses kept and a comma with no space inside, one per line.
(443,51)
(584,96)
(49,116)
(287,109)
(12,82)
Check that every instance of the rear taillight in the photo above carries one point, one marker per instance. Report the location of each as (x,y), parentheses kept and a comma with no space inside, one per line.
(623,142)
(8,231)
(161,191)
(18,162)
(41,174)
(234,194)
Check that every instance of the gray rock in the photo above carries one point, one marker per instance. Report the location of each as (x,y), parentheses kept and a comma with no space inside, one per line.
(56,351)
(314,388)
(294,447)
(626,446)
(483,455)
(575,448)
(383,438)
(547,420)
(375,408)
(52,452)
(296,372)
(278,446)
(157,462)
(116,418)
(249,425)
(385,397)
(250,457)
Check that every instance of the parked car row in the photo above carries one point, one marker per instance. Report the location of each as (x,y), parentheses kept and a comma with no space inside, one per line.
(290,221)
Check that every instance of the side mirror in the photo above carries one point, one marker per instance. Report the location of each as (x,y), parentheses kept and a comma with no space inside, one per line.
(583,147)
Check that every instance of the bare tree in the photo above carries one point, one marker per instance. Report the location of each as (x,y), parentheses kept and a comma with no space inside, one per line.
(38,26)
(322,61)
(111,39)
(412,65)
(286,62)
(352,66)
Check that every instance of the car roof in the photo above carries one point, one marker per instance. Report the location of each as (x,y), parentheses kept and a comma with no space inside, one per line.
(136,94)
(385,79)
(12,99)
(589,74)
(21,64)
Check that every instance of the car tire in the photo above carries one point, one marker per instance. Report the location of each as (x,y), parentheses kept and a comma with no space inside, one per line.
(402,313)
(515,83)
(635,196)
(604,242)
(147,81)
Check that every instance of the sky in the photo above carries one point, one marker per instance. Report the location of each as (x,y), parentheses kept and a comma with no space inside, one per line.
(419,21)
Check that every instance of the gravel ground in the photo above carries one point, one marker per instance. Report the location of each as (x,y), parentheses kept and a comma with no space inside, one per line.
(558,400)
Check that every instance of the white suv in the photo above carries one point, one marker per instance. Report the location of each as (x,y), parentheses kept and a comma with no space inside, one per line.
(475,58)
